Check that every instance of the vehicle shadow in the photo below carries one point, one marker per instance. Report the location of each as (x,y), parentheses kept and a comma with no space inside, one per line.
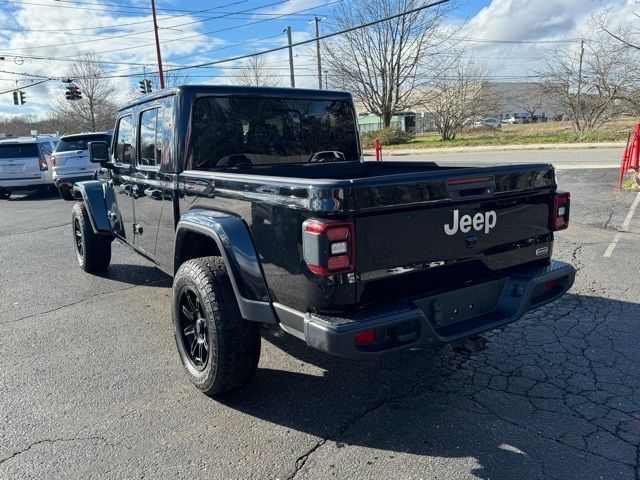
(442,403)
(137,275)
(34,195)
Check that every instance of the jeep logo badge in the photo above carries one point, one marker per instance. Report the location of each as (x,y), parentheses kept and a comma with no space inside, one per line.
(480,221)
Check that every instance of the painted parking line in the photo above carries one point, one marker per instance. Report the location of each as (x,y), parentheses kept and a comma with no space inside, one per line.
(623,228)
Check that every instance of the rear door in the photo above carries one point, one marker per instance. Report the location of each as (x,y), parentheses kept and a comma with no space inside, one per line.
(19,161)
(148,186)
(458,228)
(121,176)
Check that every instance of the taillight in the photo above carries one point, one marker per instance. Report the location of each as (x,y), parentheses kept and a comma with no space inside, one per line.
(52,159)
(328,247)
(43,163)
(560,211)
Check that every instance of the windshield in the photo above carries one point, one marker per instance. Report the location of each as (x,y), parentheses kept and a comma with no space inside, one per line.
(80,143)
(22,150)
(245,131)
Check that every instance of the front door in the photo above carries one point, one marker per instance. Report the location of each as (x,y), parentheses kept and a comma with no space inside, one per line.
(122,179)
(148,184)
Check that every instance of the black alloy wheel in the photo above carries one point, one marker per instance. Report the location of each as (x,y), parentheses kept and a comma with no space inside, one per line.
(193,329)
(77,232)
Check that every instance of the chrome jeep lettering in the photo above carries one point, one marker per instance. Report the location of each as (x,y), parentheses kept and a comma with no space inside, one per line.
(480,221)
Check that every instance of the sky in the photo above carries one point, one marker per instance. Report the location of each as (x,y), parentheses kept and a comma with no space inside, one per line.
(39,39)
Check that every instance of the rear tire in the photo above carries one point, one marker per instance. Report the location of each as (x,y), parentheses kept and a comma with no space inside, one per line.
(66,193)
(218,348)
(93,251)
(5,194)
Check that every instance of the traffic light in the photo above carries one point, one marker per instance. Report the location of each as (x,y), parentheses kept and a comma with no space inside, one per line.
(145,86)
(22,100)
(73,92)
(15,97)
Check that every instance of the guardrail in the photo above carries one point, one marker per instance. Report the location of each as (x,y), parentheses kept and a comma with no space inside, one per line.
(631,155)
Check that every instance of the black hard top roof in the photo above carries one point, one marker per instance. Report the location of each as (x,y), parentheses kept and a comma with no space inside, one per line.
(236,90)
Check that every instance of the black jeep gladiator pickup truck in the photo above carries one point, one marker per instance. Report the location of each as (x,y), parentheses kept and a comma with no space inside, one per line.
(258,202)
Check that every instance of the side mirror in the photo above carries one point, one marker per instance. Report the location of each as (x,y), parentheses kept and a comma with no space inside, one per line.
(98,152)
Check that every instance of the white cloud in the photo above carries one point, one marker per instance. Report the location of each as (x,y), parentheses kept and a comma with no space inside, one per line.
(133,43)
(535,21)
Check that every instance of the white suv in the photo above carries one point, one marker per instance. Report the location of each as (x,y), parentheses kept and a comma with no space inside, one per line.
(71,163)
(25,163)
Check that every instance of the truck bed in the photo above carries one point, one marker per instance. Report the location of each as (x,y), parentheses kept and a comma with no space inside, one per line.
(399,211)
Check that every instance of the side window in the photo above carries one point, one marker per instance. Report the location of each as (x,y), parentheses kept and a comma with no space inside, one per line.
(150,147)
(124,140)
(45,148)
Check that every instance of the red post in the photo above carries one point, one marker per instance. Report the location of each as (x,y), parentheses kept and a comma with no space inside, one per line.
(636,153)
(631,155)
(378,150)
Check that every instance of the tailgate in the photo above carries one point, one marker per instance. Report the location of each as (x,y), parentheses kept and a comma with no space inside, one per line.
(77,158)
(461,226)
(19,161)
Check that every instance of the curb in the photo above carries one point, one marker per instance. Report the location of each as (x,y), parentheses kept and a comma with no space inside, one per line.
(494,148)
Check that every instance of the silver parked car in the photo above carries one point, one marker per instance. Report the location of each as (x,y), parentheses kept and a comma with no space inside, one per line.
(25,163)
(71,160)
(488,122)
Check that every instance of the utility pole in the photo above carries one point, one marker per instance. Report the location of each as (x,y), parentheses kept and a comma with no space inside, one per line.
(155,29)
(293,78)
(580,67)
(326,79)
(316,20)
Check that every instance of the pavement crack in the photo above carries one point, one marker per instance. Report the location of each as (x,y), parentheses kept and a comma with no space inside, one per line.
(33,230)
(61,307)
(302,459)
(52,441)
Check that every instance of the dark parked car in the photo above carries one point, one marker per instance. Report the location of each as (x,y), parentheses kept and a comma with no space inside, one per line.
(257,201)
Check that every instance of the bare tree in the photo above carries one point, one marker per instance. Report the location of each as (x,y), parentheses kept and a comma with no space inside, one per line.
(96,110)
(254,71)
(592,84)
(457,95)
(384,64)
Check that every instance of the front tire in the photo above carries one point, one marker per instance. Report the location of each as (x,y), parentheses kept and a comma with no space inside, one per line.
(218,348)
(93,251)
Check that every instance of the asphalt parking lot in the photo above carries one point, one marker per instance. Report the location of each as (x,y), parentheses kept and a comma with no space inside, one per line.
(91,385)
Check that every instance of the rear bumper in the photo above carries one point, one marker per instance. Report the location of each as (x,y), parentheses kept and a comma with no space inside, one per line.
(25,183)
(434,320)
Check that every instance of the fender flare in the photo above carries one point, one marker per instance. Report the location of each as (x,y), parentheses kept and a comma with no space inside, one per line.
(93,196)
(232,237)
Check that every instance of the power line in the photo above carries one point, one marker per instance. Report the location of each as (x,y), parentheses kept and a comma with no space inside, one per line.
(25,86)
(311,40)
(101,39)
(190,37)
(121,8)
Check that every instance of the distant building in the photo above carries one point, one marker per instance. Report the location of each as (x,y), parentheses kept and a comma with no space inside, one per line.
(520,100)
(406,121)
(512,99)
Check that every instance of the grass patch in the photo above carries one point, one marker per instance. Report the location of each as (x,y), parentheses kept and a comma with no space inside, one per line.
(631,184)
(549,132)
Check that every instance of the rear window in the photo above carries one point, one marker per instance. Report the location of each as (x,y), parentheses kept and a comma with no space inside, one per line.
(244,131)
(80,143)
(22,150)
